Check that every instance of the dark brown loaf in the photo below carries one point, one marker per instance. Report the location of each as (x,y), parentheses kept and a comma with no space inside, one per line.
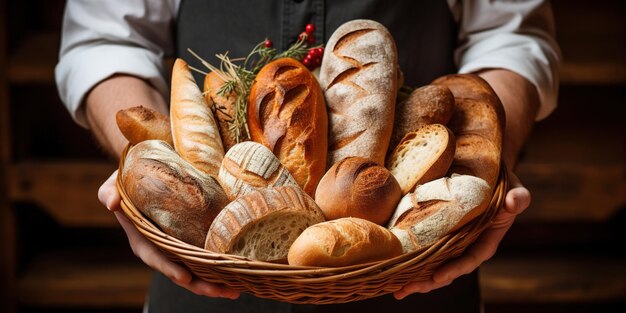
(343,242)
(430,104)
(357,187)
(287,114)
(263,224)
(140,123)
(180,199)
(359,77)
(223,107)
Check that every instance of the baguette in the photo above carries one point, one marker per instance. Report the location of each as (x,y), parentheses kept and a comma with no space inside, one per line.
(172,193)
(287,114)
(343,242)
(263,224)
(140,123)
(194,130)
(224,107)
(359,78)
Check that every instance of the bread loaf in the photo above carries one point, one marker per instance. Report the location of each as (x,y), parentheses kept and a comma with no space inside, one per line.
(357,187)
(248,166)
(172,193)
(359,77)
(430,104)
(194,130)
(140,123)
(287,114)
(263,224)
(437,208)
(223,107)
(343,242)
(421,156)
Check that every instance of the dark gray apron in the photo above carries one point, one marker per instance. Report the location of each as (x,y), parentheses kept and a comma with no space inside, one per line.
(425,34)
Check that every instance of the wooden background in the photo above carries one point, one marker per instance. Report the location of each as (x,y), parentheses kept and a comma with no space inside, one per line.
(61,251)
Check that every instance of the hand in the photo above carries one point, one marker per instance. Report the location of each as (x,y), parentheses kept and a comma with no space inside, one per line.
(151,255)
(516,201)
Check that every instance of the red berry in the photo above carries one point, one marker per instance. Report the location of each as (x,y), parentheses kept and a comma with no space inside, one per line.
(309,57)
(309,29)
(267,43)
(313,52)
(310,40)
(320,51)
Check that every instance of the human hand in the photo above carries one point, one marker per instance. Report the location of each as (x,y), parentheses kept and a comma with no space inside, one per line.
(151,255)
(516,201)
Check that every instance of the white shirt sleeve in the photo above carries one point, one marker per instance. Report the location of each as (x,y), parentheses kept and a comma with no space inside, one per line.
(102,38)
(513,35)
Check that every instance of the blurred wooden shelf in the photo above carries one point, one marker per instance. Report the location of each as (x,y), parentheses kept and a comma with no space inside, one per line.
(34,59)
(84,278)
(67,190)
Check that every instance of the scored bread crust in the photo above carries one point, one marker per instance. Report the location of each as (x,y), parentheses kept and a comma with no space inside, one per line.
(224,107)
(342,242)
(421,156)
(263,224)
(287,114)
(140,123)
(176,196)
(194,130)
(250,165)
(359,78)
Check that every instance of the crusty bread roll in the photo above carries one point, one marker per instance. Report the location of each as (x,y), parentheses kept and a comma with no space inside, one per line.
(343,242)
(287,114)
(430,104)
(250,165)
(357,187)
(437,208)
(194,130)
(224,107)
(140,123)
(359,77)
(479,116)
(263,224)
(176,196)
(421,156)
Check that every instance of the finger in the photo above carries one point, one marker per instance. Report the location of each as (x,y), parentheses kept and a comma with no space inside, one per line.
(203,288)
(419,287)
(108,194)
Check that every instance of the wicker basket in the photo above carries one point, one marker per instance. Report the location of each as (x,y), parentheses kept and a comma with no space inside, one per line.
(314,285)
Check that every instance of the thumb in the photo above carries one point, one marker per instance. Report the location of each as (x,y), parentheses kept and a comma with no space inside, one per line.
(108,194)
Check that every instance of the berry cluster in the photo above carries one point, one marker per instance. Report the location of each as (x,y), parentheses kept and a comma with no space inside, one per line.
(313,58)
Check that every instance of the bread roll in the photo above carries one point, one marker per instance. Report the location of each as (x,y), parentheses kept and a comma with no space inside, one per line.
(194,130)
(430,104)
(423,155)
(359,77)
(139,123)
(224,107)
(248,166)
(437,208)
(287,114)
(176,196)
(357,187)
(343,242)
(263,224)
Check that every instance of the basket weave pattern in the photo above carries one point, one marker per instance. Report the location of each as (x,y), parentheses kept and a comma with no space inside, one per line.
(314,285)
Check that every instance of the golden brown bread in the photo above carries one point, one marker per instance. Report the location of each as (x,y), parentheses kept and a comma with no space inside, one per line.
(357,187)
(343,242)
(422,155)
(223,107)
(194,130)
(287,114)
(359,77)
(140,123)
(176,196)
(263,224)
(250,165)
(430,104)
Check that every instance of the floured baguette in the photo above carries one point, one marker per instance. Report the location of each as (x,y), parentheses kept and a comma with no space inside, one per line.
(194,130)
(263,224)
(140,123)
(421,156)
(437,208)
(248,166)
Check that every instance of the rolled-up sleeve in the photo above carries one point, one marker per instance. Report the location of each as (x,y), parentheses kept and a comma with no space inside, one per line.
(513,35)
(102,38)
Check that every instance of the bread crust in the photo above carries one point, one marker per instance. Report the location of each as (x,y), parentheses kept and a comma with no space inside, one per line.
(287,114)
(140,123)
(359,79)
(223,107)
